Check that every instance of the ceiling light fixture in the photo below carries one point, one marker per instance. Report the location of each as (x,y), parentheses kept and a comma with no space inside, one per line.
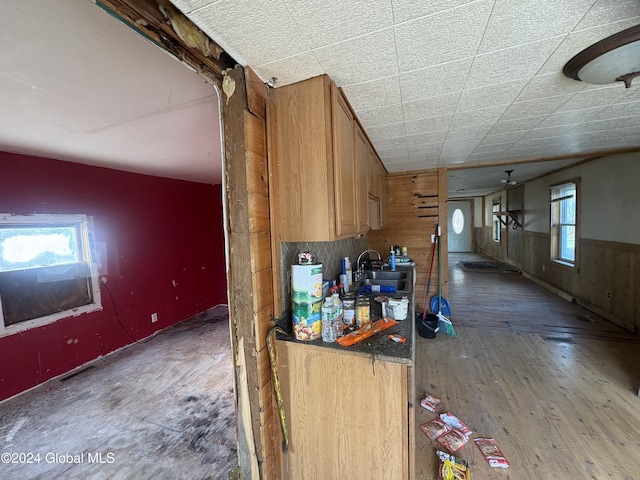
(614,59)
(507,181)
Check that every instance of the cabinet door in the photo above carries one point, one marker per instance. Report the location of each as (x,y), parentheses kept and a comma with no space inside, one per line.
(347,419)
(383,193)
(344,166)
(362,179)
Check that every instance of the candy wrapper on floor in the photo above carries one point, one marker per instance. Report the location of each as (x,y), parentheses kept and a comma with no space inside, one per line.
(453,440)
(430,402)
(452,468)
(454,422)
(435,428)
(491,452)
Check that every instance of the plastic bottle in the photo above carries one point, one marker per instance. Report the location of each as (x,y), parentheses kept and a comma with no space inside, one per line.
(392,260)
(339,315)
(349,272)
(328,321)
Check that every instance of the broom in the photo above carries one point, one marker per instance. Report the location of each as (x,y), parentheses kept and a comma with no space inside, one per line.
(444,324)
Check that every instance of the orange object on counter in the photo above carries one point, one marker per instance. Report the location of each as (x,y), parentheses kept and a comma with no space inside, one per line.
(373,328)
(397,338)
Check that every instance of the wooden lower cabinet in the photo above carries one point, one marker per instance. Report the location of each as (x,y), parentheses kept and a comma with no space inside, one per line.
(347,414)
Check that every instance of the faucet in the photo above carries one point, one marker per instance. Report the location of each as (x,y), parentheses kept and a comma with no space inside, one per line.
(358,268)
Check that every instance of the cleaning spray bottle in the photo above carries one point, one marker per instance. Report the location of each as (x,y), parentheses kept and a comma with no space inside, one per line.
(392,260)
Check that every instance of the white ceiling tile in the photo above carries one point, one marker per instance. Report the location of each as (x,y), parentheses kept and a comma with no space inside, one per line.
(404,10)
(443,37)
(522,61)
(374,94)
(530,143)
(434,81)
(386,131)
(428,125)
(554,83)
(394,143)
(427,151)
(613,125)
(499,94)
(427,138)
(290,70)
(577,41)
(478,117)
(609,11)
(188,6)
(359,59)
(387,115)
(589,98)
(547,132)
(507,137)
(431,107)
(532,108)
(523,21)
(471,135)
(340,20)
(504,126)
(490,149)
(619,110)
(274,35)
(569,117)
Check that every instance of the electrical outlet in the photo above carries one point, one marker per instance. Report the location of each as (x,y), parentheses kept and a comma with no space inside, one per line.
(544,267)
(608,294)
(154,317)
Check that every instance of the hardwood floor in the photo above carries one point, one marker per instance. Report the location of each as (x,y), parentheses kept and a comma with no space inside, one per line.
(553,383)
(161,409)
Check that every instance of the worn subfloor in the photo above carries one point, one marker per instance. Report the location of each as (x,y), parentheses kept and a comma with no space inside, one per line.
(553,383)
(161,409)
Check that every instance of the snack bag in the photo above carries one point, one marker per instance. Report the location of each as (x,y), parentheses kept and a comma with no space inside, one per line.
(455,423)
(491,452)
(430,402)
(453,440)
(452,468)
(435,428)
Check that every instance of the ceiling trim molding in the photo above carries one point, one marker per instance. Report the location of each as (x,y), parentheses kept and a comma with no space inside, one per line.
(163,24)
(592,155)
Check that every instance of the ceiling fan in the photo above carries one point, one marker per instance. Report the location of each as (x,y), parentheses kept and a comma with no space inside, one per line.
(507,181)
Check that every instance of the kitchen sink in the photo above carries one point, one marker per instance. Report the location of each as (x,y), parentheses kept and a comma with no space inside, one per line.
(401,285)
(384,275)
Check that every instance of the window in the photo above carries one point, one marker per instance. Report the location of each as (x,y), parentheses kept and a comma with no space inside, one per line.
(564,222)
(46,270)
(496,220)
(458,221)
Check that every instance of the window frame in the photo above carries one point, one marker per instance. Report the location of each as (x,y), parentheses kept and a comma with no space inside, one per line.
(556,225)
(497,224)
(84,225)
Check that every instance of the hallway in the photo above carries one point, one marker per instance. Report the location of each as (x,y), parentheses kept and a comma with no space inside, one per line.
(554,384)
(161,409)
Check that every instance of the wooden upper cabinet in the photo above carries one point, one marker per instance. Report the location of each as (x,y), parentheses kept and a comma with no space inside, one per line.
(312,169)
(344,166)
(362,148)
(378,192)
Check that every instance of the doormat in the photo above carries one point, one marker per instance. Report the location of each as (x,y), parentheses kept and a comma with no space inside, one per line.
(488,267)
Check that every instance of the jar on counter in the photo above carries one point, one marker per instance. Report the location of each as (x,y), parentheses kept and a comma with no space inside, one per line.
(363,312)
(349,310)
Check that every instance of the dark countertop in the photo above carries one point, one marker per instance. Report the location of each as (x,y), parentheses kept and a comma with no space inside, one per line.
(378,345)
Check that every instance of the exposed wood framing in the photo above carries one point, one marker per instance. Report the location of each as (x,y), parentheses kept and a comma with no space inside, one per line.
(163,24)
(247,220)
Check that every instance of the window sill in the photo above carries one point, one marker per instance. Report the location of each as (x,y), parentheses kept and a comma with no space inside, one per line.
(566,264)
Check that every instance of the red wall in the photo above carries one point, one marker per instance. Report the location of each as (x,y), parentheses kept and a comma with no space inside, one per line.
(165,253)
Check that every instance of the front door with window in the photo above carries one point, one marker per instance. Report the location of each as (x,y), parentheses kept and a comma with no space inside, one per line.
(459,226)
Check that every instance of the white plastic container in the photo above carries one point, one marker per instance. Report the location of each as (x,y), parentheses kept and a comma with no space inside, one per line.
(397,309)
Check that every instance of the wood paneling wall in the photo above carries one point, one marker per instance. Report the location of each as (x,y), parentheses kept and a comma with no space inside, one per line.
(250,272)
(607,280)
(417,203)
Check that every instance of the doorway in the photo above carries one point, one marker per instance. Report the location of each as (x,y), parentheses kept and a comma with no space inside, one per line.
(459,226)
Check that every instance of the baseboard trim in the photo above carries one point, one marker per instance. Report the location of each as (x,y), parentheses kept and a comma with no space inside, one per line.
(561,293)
